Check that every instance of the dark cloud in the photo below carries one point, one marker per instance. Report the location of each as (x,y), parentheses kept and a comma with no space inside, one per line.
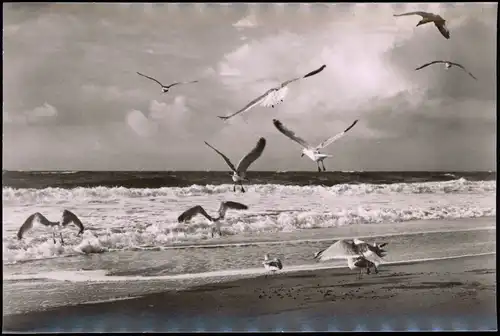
(73,100)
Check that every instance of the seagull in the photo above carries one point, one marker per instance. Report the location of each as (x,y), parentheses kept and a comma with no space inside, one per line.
(198,209)
(239,173)
(358,263)
(272,265)
(312,152)
(358,253)
(439,22)
(273,96)
(37,218)
(448,65)
(165,88)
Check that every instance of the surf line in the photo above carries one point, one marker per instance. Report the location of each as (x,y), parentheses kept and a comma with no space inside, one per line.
(283,242)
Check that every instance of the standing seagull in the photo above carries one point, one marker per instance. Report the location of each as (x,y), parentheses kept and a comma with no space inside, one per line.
(239,173)
(198,209)
(358,253)
(39,219)
(312,152)
(165,88)
(439,22)
(359,263)
(272,265)
(448,65)
(273,96)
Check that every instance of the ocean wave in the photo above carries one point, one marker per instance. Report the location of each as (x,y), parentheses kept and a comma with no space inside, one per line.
(140,236)
(100,194)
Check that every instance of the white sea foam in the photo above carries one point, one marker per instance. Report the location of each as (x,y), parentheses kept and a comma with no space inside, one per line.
(135,219)
(30,196)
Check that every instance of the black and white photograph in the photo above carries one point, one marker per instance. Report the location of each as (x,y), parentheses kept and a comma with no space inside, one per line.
(249,167)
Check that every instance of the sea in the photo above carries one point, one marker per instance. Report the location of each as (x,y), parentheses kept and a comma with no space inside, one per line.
(132,232)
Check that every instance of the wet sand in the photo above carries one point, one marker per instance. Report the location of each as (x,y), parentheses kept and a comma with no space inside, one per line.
(452,294)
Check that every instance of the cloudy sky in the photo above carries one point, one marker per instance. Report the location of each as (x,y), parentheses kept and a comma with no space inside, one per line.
(73,100)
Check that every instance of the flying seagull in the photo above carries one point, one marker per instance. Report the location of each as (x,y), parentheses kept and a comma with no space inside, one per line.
(273,96)
(165,88)
(353,251)
(448,65)
(239,173)
(439,22)
(312,152)
(38,219)
(272,265)
(198,209)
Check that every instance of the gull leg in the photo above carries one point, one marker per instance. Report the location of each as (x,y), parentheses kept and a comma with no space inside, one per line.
(323,163)
(368,270)
(242,188)
(62,240)
(234,187)
(376,270)
(54,236)
(319,168)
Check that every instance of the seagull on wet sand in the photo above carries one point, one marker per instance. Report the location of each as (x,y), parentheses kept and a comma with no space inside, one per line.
(274,96)
(165,88)
(360,263)
(215,221)
(439,22)
(358,253)
(272,265)
(37,219)
(239,172)
(448,64)
(312,152)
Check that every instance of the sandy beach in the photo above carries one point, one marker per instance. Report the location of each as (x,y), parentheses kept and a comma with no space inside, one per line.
(450,294)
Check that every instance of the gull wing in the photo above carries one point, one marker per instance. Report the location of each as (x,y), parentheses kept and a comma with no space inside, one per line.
(230,205)
(312,73)
(422,14)
(228,162)
(190,213)
(290,134)
(69,217)
(28,223)
(341,249)
(463,68)
(179,83)
(253,155)
(336,137)
(151,78)
(250,105)
(442,28)
(430,63)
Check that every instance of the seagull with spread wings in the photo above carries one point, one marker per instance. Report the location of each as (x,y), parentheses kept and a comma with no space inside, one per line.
(239,172)
(439,22)
(312,152)
(273,96)
(359,254)
(38,219)
(165,88)
(214,221)
(448,64)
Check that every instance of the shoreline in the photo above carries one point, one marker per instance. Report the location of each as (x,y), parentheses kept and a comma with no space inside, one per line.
(447,291)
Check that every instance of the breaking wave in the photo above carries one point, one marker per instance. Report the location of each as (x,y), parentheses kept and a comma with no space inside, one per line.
(97,194)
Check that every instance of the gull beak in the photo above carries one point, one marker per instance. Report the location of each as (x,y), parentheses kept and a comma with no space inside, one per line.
(302,155)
